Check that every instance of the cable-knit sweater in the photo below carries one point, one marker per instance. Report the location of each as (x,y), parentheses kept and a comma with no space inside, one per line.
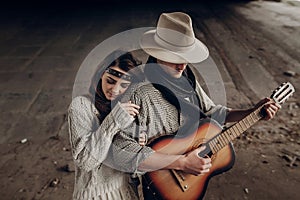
(157,117)
(90,142)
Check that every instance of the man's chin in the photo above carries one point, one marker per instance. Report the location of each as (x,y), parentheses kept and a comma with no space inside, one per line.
(177,75)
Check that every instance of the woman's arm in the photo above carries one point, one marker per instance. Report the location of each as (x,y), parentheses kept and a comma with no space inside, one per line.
(90,141)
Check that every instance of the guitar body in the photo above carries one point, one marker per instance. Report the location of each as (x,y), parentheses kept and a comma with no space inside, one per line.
(172,184)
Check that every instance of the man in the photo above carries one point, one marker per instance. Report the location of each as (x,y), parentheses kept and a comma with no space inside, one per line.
(173,100)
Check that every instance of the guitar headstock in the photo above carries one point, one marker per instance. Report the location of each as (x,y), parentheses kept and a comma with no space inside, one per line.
(283,92)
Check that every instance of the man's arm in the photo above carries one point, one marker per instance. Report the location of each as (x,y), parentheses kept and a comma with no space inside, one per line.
(269,106)
(127,155)
(189,163)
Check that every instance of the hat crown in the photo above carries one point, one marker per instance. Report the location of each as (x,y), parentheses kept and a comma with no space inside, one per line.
(173,40)
(175,29)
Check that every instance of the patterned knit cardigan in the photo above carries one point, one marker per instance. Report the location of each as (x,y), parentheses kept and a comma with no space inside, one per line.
(156,117)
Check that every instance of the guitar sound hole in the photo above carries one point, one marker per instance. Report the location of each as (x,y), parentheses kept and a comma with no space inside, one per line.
(206,152)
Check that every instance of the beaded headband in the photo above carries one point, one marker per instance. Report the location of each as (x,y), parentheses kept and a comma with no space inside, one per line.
(118,74)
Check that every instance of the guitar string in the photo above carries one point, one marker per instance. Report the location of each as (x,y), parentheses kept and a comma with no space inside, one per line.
(219,142)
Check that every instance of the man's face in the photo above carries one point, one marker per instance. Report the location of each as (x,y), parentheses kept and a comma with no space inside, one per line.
(174,70)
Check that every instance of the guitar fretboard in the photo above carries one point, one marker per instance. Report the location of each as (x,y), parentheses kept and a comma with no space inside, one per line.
(224,138)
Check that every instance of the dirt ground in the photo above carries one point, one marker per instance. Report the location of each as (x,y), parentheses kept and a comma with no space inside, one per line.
(239,36)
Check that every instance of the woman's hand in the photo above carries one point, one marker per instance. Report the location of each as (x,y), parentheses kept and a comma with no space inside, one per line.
(270,108)
(143,138)
(131,108)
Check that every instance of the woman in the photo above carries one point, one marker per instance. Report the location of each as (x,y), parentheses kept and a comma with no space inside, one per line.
(93,122)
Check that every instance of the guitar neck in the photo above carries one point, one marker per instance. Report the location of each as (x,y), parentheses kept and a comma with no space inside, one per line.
(225,137)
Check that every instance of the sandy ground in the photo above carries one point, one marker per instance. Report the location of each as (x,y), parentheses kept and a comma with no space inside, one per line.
(255,45)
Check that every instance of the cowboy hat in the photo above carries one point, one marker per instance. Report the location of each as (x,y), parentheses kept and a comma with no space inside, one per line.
(174,40)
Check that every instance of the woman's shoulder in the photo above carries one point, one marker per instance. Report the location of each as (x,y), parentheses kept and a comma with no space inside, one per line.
(80,102)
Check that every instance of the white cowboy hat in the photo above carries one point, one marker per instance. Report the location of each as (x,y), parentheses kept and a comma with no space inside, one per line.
(174,40)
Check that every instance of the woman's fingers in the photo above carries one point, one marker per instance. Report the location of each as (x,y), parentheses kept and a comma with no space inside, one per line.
(142,138)
(131,108)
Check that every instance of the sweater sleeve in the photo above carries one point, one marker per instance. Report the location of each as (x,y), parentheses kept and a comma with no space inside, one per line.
(126,153)
(89,140)
(216,112)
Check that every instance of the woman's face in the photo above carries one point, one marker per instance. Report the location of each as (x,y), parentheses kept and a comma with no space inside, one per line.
(113,86)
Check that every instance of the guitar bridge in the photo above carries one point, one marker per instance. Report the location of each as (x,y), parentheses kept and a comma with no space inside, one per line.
(181,180)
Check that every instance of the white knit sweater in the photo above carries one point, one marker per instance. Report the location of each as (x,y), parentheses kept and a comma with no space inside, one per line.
(90,143)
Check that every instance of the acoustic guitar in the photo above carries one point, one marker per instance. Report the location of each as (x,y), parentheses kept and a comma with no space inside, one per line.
(175,184)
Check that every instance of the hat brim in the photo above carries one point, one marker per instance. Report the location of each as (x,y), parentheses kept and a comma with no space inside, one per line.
(194,55)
